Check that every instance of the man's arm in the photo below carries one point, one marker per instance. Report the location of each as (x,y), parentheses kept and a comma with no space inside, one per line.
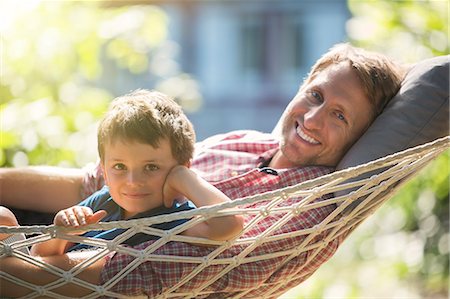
(40,188)
(38,276)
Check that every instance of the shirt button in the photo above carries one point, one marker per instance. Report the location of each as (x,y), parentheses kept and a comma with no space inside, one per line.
(234,173)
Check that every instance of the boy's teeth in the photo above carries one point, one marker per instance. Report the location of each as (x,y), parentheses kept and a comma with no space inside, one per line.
(306,137)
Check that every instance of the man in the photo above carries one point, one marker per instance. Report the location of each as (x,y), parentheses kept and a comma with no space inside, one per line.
(346,89)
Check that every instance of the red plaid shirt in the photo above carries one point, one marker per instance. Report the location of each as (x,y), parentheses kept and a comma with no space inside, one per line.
(232,163)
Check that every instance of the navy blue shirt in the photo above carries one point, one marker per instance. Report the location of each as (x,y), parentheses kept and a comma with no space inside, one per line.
(102,200)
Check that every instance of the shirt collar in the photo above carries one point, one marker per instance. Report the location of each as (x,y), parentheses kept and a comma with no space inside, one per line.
(265,158)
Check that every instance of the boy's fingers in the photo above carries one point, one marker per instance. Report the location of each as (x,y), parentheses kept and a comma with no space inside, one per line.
(61,219)
(81,215)
(72,218)
(97,216)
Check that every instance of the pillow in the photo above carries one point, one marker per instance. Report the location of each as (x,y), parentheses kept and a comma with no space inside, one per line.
(418,114)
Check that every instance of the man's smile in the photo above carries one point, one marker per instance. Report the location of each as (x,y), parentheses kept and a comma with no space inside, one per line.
(304,136)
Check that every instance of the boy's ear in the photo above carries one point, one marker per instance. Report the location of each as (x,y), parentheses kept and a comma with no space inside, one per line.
(105,175)
(188,164)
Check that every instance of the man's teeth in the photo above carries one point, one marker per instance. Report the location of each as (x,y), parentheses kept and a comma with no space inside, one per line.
(306,137)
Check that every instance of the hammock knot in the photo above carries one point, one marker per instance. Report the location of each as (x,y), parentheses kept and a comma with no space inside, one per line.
(100,290)
(264,212)
(167,235)
(68,277)
(141,256)
(7,249)
(205,261)
(350,198)
(284,195)
(316,192)
(52,231)
(111,246)
(235,261)
(374,178)
(296,210)
(41,290)
(384,185)
(318,227)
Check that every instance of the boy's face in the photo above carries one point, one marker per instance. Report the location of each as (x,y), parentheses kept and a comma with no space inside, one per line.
(135,173)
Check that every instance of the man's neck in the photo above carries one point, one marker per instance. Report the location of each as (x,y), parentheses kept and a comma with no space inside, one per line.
(278,161)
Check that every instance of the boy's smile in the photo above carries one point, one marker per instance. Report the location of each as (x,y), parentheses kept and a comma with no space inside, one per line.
(135,173)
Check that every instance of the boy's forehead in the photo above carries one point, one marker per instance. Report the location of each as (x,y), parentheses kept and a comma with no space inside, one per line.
(138,150)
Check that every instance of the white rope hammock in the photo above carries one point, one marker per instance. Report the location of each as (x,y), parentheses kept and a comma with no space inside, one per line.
(377,181)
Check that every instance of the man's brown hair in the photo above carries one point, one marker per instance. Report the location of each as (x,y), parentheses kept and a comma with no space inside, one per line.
(380,76)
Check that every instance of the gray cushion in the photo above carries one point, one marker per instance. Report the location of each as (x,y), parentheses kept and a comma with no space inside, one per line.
(419,113)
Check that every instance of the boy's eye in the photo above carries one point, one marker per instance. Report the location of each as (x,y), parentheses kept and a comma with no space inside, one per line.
(119,166)
(151,167)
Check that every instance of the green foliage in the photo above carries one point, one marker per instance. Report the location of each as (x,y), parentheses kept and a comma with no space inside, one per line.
(409,30)
(56,58)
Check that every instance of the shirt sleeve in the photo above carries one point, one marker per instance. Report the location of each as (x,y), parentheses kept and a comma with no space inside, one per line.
(92,180)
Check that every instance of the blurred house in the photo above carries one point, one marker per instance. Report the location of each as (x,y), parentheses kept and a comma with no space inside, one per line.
(250,56)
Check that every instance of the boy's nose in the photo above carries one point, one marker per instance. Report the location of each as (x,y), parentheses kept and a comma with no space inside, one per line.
(134,177)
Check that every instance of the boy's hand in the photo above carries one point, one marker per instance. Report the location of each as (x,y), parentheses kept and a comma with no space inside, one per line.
(173,179)
(77,216)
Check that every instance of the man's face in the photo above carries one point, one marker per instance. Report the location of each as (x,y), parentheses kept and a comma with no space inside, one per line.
(324,119)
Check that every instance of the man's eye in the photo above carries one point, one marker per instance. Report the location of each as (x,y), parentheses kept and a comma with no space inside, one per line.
(119,166)
(340,116)
(151,167)
(316,96)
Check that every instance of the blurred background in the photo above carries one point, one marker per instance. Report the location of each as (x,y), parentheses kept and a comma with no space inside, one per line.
(231,65)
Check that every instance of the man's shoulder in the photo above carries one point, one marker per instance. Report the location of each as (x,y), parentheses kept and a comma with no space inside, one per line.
(237,138)
(240,135)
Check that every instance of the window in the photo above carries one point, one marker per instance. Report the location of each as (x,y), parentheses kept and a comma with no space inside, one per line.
(253,44)
(272,43)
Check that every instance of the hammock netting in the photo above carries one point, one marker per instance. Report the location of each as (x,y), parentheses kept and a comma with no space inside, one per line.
(357,193)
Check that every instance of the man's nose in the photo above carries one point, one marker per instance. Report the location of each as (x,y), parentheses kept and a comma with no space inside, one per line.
(313,118)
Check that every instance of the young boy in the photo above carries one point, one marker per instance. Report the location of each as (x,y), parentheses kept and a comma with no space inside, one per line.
(145,143)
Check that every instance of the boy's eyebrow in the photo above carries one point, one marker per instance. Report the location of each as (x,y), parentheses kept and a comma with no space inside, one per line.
(152,160)
(146,160)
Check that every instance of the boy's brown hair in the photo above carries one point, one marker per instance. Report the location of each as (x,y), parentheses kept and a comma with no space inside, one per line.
(147,117)
(381,77)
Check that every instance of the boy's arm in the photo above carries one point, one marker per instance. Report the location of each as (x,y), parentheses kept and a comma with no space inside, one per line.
(182,180)
(76,216)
